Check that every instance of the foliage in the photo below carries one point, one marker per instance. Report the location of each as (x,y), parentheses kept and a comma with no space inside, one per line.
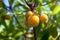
(15,28)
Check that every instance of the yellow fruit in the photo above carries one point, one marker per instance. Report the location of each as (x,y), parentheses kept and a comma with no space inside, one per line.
(43,18)
(33,21)
(29,13)
(6,17)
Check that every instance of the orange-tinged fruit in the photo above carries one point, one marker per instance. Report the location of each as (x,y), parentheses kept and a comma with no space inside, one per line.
(6,17)
(33,21)
(43,18)
(29,13)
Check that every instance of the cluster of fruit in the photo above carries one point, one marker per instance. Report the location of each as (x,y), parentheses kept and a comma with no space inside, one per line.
(32,20)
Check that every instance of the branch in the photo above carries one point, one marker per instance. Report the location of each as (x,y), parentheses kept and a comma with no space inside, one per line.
(34,29)
(31,6)
(26,2)
(4,6)
(14,16)
(35,3)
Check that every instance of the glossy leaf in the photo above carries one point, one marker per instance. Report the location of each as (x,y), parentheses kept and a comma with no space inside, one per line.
(40,1)
(19,34)
(56,10)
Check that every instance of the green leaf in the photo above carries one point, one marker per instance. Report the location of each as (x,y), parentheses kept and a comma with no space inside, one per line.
(53,31)
(40,1)
(59,0)
(10,26)
(1,4)
(45,35)
(17,4)
(19,34)
(11,2)
(43,26)
(56,10)
(38,28)
(38,9)
(4,23)
(3,34)
(3,11)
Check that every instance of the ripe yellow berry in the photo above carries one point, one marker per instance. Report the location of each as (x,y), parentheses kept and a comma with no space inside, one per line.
(29,13)
(33,21)
(43,18)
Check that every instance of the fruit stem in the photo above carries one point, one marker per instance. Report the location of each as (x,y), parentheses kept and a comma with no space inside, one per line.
(32,8)
(34,30)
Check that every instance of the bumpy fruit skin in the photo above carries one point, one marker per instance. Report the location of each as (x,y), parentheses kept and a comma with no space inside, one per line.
(43,18)
(6,17)
(33,21)
(29,13)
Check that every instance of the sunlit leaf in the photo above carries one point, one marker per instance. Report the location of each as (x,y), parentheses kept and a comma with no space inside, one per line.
(38,28)
(40,1)
(19,34)
(56,10)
